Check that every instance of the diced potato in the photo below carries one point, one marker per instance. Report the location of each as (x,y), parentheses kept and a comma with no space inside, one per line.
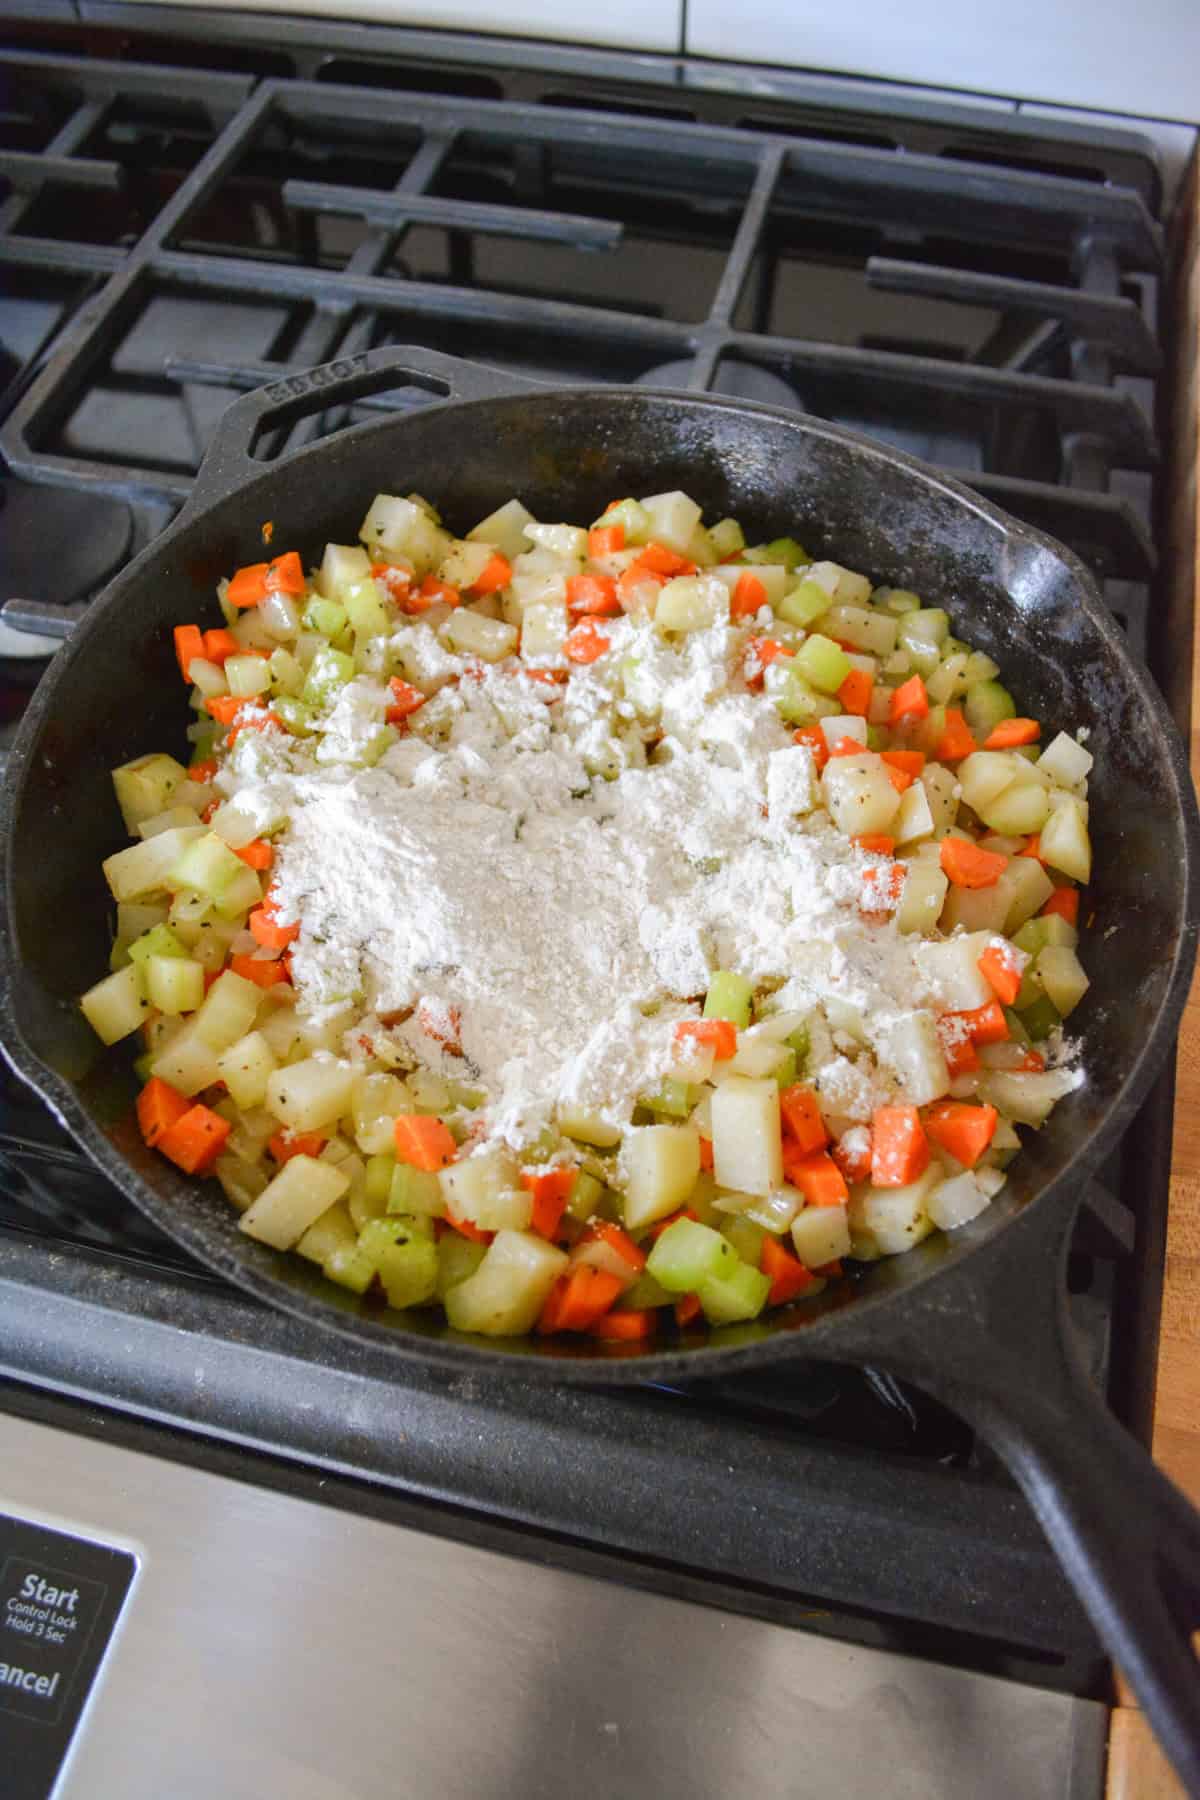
(924,895)
(955,1202)
(820,1235)
(1027,1099)
(247,676)
(169,820)
(303,1189)
(660,1165)
(246,1067)
(976,909)
(891,1220)
(377,1101)
(465,562)
(1065,841)
(543,629)
(911,1049)
(143,868)
(229,1010)
(673,519)
(1066,761)
(1062,975)
(405,529)
(755,1056)
(117,1005)
(941,791)
(307,1095)
(955,967)
(914,817)
(588,1127)
(333,1231)
(281,1031)
(144,786)
(858,794)
(341,566)
(568,541)
(242,1181)
(843,725)
(689,603)
(1021,807)
(471,634)
(175,984)
(1028,887)
(485,1190)
(869,629)
(983,776)
(188,1062)
(776,579)
(234,825)
(504,529)
(747,1145)
(510,1287)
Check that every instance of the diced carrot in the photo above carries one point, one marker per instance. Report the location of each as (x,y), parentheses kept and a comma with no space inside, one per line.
(962,1058)
(1063,903)
(262,973)
(159,1106)
(266,929)
(662,561)
(686,1309)
(801,1113)
(592,594)
(606,540)
(721,1034)
(551,1314)
(830,1271)
(1032,1063)
(956,740)
(626,1327)
(551,678)
(877,843)
(621,1242)
(285,574)
(432,592)
(195,1139)
(578,1300)
(814,739)
(225,708)
(1002,967)
(968,866)
(1010,734)
(253,718)
(907,762)
(465,1228)
(748,597)
(189,642)
(493,576)
(909,701)
(855,693)
(818,1178)
(788,1274)
(899,1147)
(882,888)
(423,1142)
(1033,847)
(221,644)
(210,975)
(760,653)
(284,1145)
(208,811)
(846,746)
(585,643)
(203,771)
(706,1153)
(258,854)
(853,1160)
(550,1189)
(985,1024)
(965,1131)
(900,779)
(636,581)
(248,585)
(442,1023)
(405,700)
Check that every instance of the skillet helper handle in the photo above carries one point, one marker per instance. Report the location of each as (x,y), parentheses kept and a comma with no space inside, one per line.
(228,461)
(1001,1349)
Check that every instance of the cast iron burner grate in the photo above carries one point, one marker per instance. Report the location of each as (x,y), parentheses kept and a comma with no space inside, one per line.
(191,205)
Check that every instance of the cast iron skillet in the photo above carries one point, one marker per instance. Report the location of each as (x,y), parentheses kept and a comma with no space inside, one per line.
(977,1318)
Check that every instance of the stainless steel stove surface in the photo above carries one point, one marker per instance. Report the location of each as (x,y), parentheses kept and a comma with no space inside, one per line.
(197,203)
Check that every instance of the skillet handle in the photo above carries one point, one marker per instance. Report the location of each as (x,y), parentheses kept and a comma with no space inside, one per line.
(228,462)
(1004,1353)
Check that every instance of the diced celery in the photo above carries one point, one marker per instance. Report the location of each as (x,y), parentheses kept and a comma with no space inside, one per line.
(805,603)
(206,866)
(646,1292)
(727,538)
(458,1259)
(744,1234)
(783,550)
(1040,1018)
(247,676)
(785,1074)
(672,1101)
(1062,975)
(406,1258)
(334,1230)
(378,1179)
(687,1253)
(160,940)
(729,997)
(741,1293)
(900,600)
(416,1191)
(986,704)
(798,702)
(585,1195)
(823,663)
(635,519)
(326,616)
(350,1267)
(329,670)
(296,714)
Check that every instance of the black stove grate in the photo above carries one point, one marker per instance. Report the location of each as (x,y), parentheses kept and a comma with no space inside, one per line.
(194,205)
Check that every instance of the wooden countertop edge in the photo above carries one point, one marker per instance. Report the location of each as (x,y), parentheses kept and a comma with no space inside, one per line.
(1137,1768)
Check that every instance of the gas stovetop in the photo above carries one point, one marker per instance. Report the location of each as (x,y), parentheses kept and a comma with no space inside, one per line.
(199,203)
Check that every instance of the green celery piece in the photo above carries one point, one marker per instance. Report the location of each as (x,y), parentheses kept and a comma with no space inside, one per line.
(379,742)
(804,603)
(928,623)
(415,1191)
(458,1259)
(729,997)
(985,705)
(646,1292)
(785,1074)
(584,1197)
(329,670)
(160,940)
(672,1101)
(877,738)
(783,550)
(727,538)
(1030,990)
(822,662)
(923,655)
(203,743)
(351,1268)
(296,714)
(1041,1018)
(798,1041)
(143,1066)
(366,611)
(207,866)
(1032,936)
(633,516)
(1016,1028)
(686,1254)
(745,1236)
(405,1256)
(740,1294)
(378,1178)
(902,600)
(325,616)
